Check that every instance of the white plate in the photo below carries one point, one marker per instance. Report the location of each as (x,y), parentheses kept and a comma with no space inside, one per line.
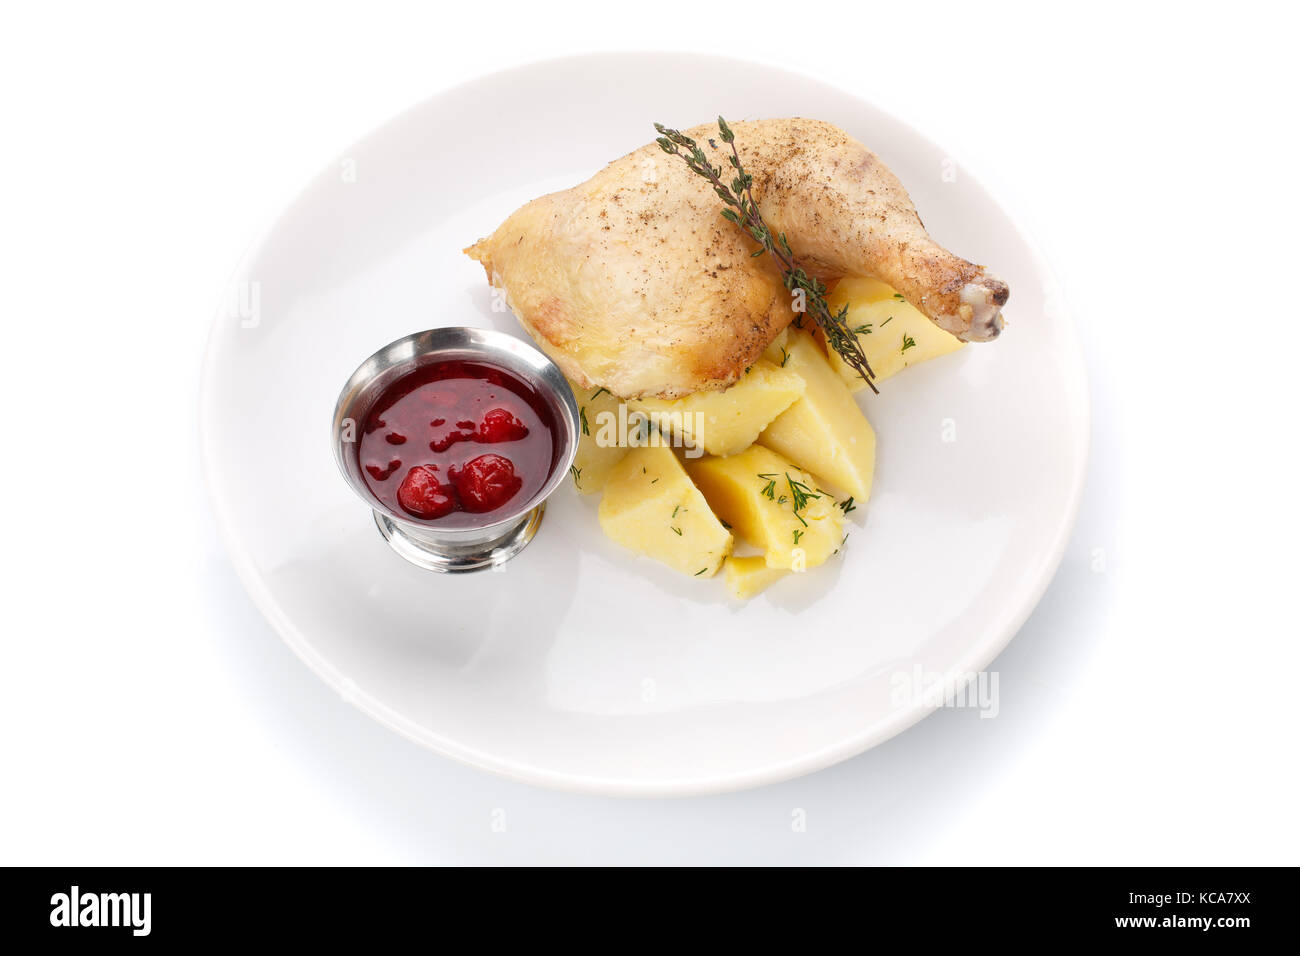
(580,666)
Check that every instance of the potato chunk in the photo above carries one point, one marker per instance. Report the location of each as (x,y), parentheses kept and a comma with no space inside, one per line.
(725,422)
(893,333)
(825,431)
(749,575)
(653,508)
(772,504)
(596,457)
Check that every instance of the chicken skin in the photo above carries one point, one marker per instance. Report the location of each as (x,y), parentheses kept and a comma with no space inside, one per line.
(634,281)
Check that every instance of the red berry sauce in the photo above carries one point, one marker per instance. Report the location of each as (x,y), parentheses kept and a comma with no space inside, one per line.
(455,443)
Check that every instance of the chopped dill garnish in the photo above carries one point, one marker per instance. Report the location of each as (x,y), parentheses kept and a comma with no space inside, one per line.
(848,505)
(800,492)
(582,415)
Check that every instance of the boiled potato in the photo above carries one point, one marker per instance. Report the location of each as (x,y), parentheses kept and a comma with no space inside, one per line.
(652,507)
(596,456)
(825,430)
(725,422)
(893,333)
(757,491)
(747,576)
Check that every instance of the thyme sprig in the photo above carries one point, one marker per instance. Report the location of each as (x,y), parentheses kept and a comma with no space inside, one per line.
(743,211)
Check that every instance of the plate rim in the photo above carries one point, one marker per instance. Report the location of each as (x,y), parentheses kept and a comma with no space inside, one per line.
(977,658)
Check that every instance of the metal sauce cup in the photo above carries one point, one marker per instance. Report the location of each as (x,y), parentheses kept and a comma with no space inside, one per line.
(466,548)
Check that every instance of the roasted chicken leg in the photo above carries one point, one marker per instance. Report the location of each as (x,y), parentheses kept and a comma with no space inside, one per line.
(634,281)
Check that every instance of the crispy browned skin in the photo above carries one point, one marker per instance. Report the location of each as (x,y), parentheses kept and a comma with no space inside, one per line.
(634,281)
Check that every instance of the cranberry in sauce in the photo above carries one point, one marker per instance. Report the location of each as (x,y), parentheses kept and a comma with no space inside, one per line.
(422,494)
(454,443)
(486,483)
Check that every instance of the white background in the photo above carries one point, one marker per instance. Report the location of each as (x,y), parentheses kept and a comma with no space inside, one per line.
(149,715)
